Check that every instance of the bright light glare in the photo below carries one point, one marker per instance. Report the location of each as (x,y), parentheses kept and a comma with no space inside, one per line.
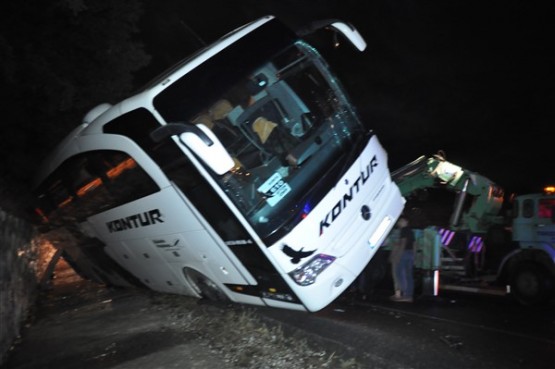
(436,282)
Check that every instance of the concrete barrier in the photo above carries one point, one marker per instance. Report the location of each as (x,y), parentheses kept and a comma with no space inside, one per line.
(19,271)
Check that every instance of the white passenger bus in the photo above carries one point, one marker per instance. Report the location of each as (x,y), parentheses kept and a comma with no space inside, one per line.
(242,174)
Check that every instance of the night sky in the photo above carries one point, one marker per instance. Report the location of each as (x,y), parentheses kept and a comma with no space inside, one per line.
(474,79)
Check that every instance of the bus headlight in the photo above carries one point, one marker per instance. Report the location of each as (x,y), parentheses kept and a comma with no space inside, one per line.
(380,231)
(306,275)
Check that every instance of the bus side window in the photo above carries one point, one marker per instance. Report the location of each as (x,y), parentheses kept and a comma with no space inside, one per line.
(126,181)
(52,196)
(90,191)
(137,125)
(56,197)
(91,182)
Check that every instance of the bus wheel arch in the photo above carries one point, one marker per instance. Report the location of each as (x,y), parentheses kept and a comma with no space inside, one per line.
(204,286)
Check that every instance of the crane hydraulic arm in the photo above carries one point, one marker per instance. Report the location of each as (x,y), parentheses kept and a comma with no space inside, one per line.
(478,201)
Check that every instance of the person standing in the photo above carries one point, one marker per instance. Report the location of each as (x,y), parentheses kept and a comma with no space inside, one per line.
(394,258)
(403,264)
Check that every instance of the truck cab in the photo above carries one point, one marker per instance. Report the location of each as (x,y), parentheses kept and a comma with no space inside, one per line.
(533,230)
(534,221)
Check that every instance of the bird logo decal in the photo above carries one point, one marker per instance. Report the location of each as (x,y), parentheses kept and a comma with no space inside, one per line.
(295,255)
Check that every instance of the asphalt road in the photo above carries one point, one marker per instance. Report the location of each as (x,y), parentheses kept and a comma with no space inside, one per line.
(81,325)
(452,331)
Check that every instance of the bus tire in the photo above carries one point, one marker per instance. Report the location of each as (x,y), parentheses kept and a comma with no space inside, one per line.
(204,286)
(531,284)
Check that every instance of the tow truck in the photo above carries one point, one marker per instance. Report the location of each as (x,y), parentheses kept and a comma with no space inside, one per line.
(493,243)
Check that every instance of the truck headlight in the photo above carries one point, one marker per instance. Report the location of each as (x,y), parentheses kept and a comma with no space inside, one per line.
(306,274)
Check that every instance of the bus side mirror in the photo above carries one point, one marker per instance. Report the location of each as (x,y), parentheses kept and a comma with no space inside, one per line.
(200,140)
(346,29)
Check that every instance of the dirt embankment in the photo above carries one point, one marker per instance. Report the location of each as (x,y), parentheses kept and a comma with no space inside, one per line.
(78,324)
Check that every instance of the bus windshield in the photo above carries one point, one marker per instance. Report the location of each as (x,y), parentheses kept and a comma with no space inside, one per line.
(287,126)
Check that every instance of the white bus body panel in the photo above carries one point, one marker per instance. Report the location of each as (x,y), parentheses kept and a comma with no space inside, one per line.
(348,236)
(157,252)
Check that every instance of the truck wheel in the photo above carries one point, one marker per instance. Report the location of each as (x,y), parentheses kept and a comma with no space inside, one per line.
(204,286)
(531,284)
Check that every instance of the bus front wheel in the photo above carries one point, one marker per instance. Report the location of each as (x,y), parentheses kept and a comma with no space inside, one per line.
(204,286)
